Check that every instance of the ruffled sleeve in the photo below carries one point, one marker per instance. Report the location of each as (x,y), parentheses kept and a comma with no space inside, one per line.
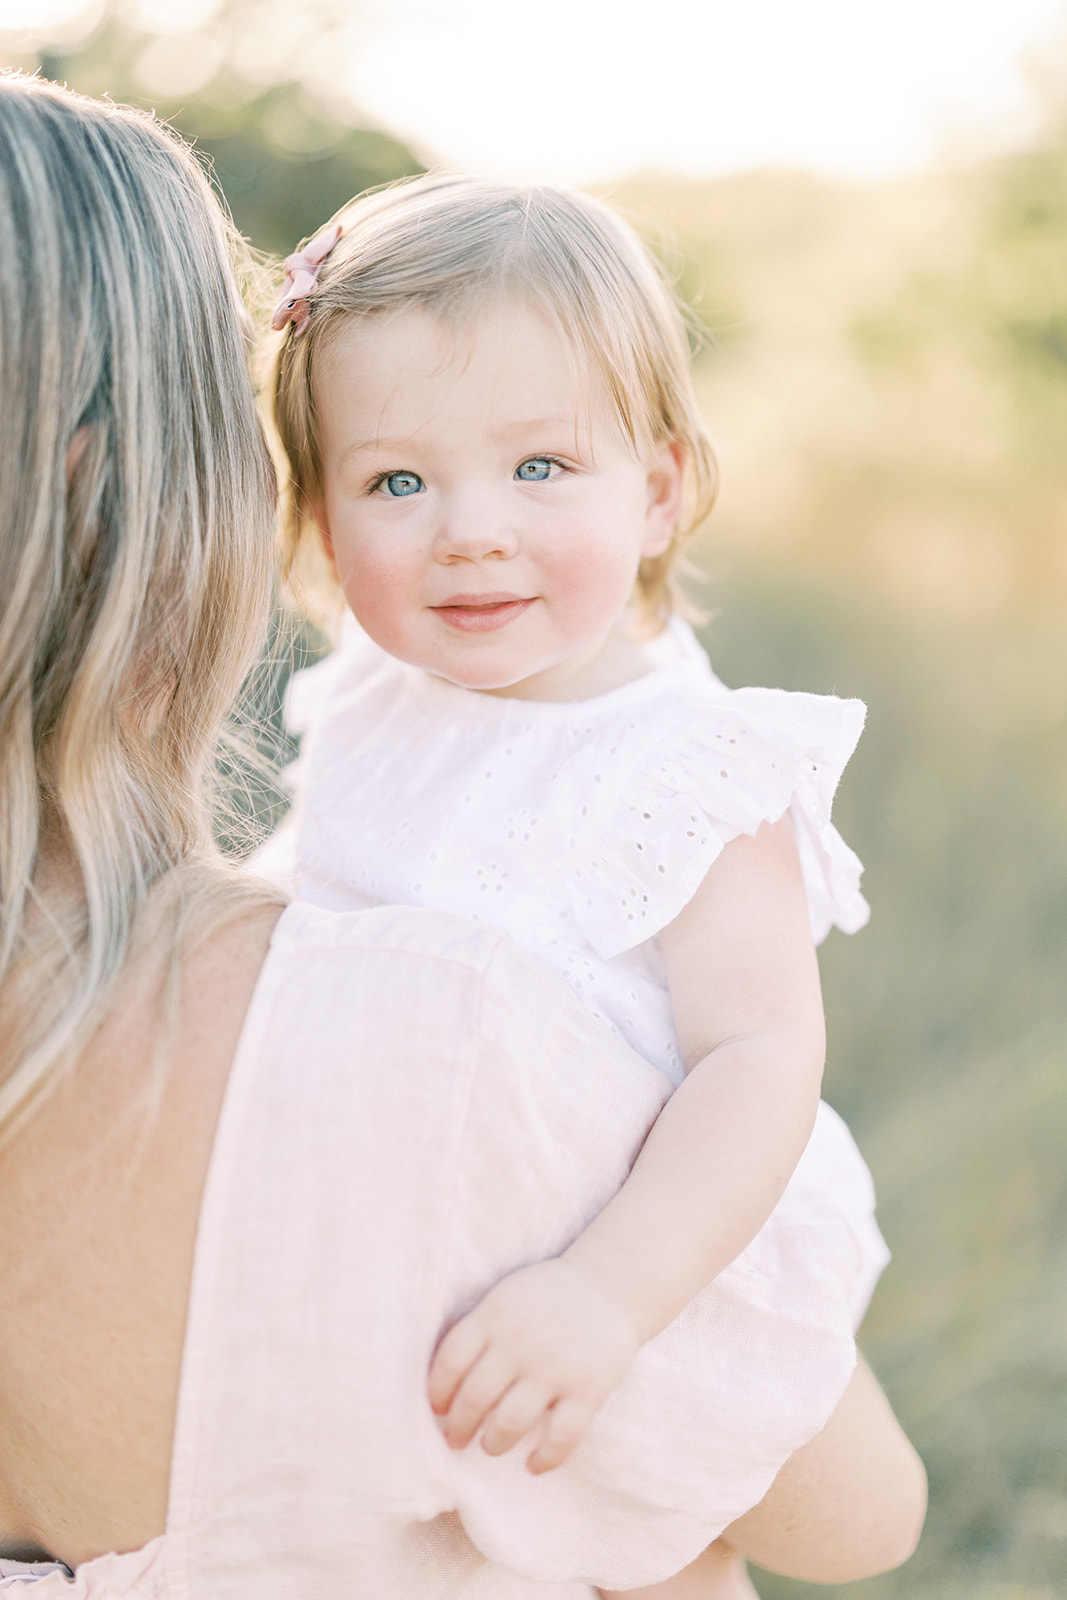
(717,765)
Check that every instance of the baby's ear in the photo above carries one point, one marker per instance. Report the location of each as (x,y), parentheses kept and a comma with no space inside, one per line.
(321,521)
(666,479)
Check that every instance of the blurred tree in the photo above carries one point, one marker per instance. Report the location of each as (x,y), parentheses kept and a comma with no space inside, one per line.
(1027,285)
(998,315)
(257,84)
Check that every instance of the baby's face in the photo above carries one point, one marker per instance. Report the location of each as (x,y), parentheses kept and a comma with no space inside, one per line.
(485,514)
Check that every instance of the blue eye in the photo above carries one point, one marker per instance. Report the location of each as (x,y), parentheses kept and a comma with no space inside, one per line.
(536,470)
(399,484)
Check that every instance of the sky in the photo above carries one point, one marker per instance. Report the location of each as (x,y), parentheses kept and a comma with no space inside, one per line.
(570,90)
(578,90)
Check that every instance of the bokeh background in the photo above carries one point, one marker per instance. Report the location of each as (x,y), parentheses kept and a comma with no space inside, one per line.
(885,367)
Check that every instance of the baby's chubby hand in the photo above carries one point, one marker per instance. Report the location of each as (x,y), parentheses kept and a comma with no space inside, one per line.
(543,1349)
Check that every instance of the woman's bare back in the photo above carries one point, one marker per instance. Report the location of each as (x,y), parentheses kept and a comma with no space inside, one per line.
(101,1195)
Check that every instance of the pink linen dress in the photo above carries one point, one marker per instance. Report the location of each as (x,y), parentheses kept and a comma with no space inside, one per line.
(403,1125)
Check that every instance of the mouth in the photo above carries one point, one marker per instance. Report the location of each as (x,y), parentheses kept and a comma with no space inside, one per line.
(481,613)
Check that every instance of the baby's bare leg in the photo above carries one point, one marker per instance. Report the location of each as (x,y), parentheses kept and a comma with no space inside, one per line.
(717,1574)
(848,1505)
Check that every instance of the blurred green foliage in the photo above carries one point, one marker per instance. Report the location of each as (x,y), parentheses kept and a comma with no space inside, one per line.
(281,176)
(948,1015)
(948,1022)
(286,147)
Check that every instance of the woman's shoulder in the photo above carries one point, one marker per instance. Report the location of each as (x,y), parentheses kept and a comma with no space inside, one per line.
(349,944)
(429,992)
(306,933)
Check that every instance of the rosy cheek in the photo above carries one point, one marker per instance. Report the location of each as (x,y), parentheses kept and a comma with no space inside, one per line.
(601,572)
(365,557)
(366,584)
(376,584)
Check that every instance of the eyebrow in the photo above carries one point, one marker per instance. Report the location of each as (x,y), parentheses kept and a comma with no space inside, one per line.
(371,444)
(524,426)
(561,419)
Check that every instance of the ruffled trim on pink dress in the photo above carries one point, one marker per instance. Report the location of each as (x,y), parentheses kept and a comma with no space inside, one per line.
(112,1577)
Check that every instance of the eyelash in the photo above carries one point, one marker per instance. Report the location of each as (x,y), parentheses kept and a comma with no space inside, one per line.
(553,461)
(376,483)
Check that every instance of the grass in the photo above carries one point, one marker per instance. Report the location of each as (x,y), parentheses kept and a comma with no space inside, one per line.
(948,1030)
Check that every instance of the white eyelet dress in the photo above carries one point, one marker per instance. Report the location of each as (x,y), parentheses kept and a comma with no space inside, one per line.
(580,828)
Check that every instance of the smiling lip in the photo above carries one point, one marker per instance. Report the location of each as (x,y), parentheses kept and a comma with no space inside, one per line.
(481,613)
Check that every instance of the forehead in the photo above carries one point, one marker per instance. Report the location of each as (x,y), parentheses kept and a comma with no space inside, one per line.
(504,355)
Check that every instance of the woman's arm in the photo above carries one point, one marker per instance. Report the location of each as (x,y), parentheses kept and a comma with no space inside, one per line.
(548,1344)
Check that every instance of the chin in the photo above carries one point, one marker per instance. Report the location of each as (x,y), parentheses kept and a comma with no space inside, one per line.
(485,676)
(490,682)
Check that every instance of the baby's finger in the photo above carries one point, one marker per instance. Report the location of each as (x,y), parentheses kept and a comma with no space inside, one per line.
(567,1422)
(460,1348)
(485,1384)
(524,1405)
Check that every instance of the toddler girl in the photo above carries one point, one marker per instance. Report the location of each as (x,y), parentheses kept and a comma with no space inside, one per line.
(485,403)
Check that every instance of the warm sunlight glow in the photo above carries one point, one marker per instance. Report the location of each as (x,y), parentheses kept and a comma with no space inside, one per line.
(588,90)
(576,90)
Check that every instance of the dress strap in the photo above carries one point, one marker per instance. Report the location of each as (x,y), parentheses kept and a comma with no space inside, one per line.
(12,1572)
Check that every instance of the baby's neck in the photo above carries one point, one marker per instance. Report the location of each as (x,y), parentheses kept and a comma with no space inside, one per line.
(618,659)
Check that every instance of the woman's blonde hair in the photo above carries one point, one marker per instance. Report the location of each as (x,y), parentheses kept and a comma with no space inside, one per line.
(136,544)
(448,244)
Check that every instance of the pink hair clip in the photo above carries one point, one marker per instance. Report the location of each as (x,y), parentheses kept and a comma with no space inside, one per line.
(301,276)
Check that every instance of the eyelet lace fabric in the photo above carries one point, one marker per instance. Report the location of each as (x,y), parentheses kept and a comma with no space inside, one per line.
(581,828)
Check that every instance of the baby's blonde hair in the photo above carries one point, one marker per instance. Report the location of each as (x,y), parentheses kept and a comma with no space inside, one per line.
(136,544)
(448,244)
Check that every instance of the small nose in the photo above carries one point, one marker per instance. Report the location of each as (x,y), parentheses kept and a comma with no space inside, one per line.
(474,526)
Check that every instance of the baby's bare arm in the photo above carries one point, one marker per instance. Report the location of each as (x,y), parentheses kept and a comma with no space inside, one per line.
(546,1346)
(745,988)
(542,1350)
